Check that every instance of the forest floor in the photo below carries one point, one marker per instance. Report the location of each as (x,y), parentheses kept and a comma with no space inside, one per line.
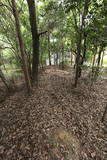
(57,121)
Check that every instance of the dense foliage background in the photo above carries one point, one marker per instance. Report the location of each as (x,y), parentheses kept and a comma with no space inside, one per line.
(71,32)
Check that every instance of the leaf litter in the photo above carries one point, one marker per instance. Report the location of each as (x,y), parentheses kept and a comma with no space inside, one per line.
(55,122)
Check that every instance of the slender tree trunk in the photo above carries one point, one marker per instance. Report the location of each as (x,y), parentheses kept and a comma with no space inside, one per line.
(18,31)
(99,58)
(94,61)
(41,60)
(85,49)
(2,62)
(57,58)
(77,62)
(71,58)
(79,46)
(49,52)
(79,43)
(2,77)
(91,59)
(29,65)
(83,57)
(35,39)
(62,57)
(84,36)
(94,58)
(102,59)
(54,59)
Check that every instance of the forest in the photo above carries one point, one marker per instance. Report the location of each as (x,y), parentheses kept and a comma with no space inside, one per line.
(53,79)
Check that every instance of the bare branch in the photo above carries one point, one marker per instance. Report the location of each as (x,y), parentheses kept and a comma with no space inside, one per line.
(76,53)
(42,33)
(2,48)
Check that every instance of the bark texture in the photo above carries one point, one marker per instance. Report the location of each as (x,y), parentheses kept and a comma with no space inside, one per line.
(21,45)
(35,39)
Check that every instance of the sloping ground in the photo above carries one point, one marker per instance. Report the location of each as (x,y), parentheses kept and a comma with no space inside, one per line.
(56,122)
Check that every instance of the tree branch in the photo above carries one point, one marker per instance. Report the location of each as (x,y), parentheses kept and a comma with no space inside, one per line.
(39,34)
(5,48)
(76,53)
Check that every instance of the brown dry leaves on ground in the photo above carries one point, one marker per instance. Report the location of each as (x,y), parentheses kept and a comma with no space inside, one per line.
(56,122)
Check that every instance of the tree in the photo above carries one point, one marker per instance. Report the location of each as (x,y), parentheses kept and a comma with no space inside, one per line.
(35,39)
(21,45)
(2,77)
(73,31)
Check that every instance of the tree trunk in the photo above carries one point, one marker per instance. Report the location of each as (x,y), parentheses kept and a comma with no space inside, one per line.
(77,63)
(79,45)
(84,55)
(84,36)
(49,52)
(94,61)
(57,57)
(35,39)
(71,58)
(62,57)
(3,79)
(99,58)
(54,58)
(94,58)
(29,64)
(18,31)
(41,60)
(85,48)
(102,59)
